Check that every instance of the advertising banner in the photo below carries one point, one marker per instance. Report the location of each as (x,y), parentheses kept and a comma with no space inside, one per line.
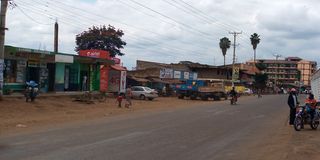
(166,73)
(186,75)
(177,74)
(104,74)
(123,81)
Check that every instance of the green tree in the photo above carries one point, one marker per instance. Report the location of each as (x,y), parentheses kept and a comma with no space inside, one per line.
(261,78)
(102,38)
(224,46)
(255,40)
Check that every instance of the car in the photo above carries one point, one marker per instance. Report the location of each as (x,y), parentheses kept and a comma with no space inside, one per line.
(247,91)
(142,92)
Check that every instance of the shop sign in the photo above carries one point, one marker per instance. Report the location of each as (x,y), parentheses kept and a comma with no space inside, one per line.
(33,64)
(166,73)
(95,54)
(63,58)
(177,74)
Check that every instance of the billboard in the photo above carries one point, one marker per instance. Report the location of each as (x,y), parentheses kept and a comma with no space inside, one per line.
(166,73)
(177,74)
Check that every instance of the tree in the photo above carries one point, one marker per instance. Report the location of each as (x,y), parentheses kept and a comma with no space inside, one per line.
(102,38)
(224,44)
(261,78)
(255,40)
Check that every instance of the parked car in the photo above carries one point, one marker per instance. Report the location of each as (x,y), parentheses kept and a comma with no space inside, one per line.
(247,91)
(142,92)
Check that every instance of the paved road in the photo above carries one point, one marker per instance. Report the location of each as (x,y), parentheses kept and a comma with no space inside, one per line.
(216,131)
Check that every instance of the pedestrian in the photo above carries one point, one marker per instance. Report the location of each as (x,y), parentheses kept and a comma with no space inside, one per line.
(292,102)
(119,99)
(128,96)
(84,83)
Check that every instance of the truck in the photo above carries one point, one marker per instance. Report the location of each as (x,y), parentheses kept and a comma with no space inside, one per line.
(315,84)
(203,89)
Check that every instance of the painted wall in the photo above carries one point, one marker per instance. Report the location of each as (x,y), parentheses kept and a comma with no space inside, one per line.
(59,78)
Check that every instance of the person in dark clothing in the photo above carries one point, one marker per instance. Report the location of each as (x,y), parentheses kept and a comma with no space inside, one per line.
(233,93)
(292,102)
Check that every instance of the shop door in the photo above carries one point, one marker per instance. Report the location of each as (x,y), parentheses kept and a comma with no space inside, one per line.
(52,73)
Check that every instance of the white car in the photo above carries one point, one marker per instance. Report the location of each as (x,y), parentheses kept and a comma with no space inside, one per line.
(248,91)
(142,92)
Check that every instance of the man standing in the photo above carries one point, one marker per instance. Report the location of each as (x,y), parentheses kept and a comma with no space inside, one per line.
(292,102)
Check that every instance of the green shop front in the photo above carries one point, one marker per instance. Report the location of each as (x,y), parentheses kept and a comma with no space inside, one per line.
(94,69)
(22,65)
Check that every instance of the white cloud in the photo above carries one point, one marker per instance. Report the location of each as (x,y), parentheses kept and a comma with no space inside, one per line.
(287,27)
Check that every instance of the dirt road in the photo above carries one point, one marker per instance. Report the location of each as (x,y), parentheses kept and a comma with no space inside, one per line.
(18,116)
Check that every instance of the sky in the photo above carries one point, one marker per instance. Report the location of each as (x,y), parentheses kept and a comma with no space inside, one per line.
(169,31)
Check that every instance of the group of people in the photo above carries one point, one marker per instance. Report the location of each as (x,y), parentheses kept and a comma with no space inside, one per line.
(293,102)
(127,95)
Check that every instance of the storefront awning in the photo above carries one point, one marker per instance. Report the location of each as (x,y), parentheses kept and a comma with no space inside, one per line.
(118,68)
(158,80)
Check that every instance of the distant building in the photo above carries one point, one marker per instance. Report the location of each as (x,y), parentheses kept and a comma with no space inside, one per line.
(290,72)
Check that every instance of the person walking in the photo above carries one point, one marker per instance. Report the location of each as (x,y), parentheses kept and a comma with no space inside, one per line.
(119,99)
(292,102)
(128,97)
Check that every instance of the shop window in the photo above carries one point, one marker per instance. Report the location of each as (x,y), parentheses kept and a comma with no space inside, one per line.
(10,71)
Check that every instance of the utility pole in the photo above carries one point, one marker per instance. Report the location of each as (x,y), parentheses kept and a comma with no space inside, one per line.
(234,51)
(4,6)
(56,31)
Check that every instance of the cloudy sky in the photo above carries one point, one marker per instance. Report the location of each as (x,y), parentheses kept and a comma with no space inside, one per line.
(170,31)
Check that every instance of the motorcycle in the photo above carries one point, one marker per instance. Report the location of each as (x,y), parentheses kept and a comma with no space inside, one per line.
(233,100)
(304,117)
(31,91)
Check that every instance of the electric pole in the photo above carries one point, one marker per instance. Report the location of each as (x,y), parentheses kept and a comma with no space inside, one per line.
(4,6)
(234,51)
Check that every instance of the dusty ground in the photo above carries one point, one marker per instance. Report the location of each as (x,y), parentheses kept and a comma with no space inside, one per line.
(17,115)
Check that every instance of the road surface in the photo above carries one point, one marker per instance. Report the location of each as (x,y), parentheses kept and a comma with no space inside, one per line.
(252,129)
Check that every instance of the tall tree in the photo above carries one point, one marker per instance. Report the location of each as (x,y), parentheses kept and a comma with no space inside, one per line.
(224,44)
(255,40)
(261,78)
(102,38)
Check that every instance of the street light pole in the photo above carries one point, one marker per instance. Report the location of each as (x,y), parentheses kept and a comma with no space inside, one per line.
(4,6)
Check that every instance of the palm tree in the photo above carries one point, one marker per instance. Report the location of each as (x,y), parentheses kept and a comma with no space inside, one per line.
(255,40)
(224,44)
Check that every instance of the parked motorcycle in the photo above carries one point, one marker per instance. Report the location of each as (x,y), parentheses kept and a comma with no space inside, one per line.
(303,117)
(31,91)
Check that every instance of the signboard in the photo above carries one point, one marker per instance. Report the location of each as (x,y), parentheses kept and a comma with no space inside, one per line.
(123,81)
(235,73)
(114,81)
(177,74)
(195,76)
(95,54)
(63,58)
(104,74)
(166,73)
(186,75)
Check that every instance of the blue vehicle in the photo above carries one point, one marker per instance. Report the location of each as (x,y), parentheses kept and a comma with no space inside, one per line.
(203,89)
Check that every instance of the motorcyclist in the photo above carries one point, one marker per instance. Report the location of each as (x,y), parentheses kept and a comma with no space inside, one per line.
(311,105)
(233,93)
